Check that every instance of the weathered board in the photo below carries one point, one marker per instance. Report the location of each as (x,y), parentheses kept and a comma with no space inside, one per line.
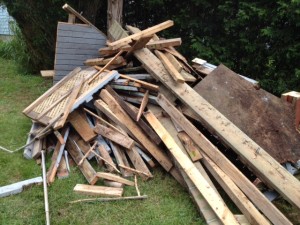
(265,118)
(74,44)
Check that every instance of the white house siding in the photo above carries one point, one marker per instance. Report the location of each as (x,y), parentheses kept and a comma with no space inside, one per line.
(5,20)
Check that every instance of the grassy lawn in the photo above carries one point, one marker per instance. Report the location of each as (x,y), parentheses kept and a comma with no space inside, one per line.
(167,203)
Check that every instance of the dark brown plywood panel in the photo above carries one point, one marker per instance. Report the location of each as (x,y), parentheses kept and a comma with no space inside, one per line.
(264,117)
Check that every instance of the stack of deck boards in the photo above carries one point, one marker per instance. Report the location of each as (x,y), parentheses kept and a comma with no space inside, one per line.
(135,108)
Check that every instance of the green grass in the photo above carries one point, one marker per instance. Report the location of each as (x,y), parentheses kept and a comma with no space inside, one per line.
(167,203)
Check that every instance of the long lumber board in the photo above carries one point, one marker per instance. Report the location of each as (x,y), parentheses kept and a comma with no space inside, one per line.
(261,202)
(257,158)
(193,173)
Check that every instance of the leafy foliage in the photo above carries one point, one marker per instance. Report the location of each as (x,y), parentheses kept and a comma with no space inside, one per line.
(259,39)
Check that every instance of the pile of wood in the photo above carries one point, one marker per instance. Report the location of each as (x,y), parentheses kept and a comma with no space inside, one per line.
(125,113)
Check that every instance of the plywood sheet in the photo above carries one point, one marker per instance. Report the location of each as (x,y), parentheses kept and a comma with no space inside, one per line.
(265,118)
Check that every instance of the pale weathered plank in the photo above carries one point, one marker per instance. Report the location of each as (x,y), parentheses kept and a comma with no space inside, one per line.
(202,185)
(98,190)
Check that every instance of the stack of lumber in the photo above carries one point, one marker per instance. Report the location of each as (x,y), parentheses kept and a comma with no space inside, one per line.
(135,108)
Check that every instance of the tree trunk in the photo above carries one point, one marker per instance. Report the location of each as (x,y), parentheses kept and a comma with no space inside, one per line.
(114,12)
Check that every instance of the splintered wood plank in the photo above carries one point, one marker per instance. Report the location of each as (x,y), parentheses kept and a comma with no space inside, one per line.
(161,44)
(140,43)
(192,149)
(98,190)
(128,124)
(144,84)
(120,158)
(202,185)
(169,67)
(104,153)
(47,73)
(261,202)
(174,61)
(143,105)
(132,112)
(149,31)
(138,162)
(114,136)
(62,171)
(83,145)
(37,148)
(103,62)
(237,196)
(79,122)
(86,168)
(116,178)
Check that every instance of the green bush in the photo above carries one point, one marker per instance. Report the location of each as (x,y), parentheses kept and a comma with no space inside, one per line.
(15,49)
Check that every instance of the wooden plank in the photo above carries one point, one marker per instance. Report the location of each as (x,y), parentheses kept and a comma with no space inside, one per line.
(169,67)
(113,177)
(143,105)
(149,31)
(47,73)
(62,171)
(18,187)
(103,152)
(105,67)
(86,168)
(79,122)
(114,136)
(56,158)
(83,145)
(161,44)
(202,185)
(261,202)
(237,196)
(204,208)
(71,18)
(37,148)
(104,61)
(98,190)
(192,149)
(144,84)
(120,158)
(138,162)
(138,44)
(174,61)
(187,76)
(70,10)
(128,124)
